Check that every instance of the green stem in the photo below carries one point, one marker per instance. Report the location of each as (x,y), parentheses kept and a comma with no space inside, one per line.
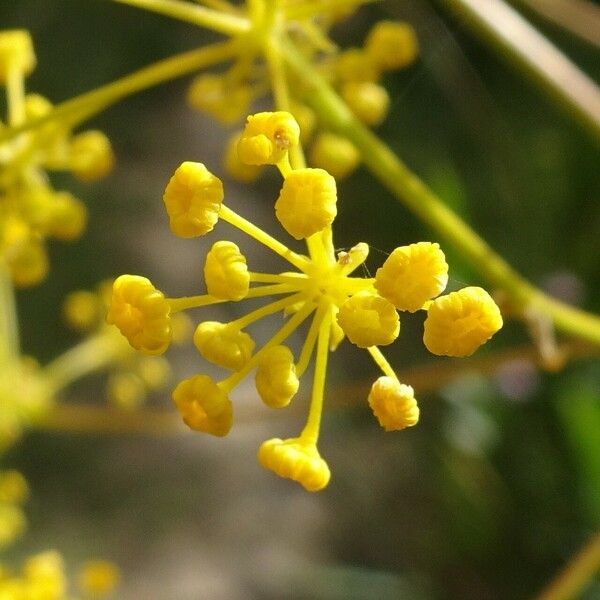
(423,202)
(9,324)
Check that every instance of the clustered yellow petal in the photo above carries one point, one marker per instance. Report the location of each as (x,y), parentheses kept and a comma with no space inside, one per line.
(223,344)
(16,52)
(193,199)
(276,379)
(391,45)
(393,403)
(141,313)
(297,460)
(219,97)
(91,155)
(368,100)
(458,323)
(335,154)
(203,405)
(226,272)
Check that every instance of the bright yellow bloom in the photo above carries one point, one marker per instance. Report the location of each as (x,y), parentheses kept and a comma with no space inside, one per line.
(335,154)
(276,379)
(296,460)
(68,217)
(234,167)
(16,52)
(91,155)
(216,96)
(12,524)
(13,487)
(225,272)
(126,390)
(267,138)
(203,405)
(307,202)
(394,404)
(81,310)
(223,344)
(458,323)
(355,65)
(193,199)
(391,45)
(369,101)
(412,275)
(98,578)
(369,320)
(141,313)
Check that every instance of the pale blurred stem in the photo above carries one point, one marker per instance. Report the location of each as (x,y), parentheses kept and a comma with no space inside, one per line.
(93,354)
(422,201)
(84,106)
(577,574)
(507,32)
(9,324)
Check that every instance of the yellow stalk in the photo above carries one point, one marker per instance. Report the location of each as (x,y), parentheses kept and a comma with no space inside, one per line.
(382,362)
(273,278)
(266,310)
(310,341)
(15,96)
(9,324)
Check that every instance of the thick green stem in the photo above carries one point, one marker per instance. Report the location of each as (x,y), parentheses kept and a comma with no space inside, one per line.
(423,202)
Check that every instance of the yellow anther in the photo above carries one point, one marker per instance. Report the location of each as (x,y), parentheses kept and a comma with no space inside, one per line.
(68,217)
(126,390)
(367,100)
(98,578)
(307,202)
(141,313)
(458,323)
(27,262)
(394,404)
(226,272)
(81,310)
(223,344)
(296,460)
(154,371)
(45,576)
(355,65)
(267,138)
(13,487)
(91,155)
(193,199)
(412,275)
(216,96)
(369,320)
(203,405)
(392,45)
(338,156)
(234,167)
(16,52)
(276,380)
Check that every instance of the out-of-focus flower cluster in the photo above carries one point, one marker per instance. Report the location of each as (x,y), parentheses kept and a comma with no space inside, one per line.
(321,290)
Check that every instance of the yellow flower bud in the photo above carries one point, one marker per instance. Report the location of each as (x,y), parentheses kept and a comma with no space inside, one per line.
(154,371)
(394,404)
(392,45)
(45,575)
(81,310)
(68,217)
(355,65)
(193,199)
(306,119)
(337,155)
(98,578)
(307,202)
(367,100)
(267,137)
(458,323)
(296,460)
(141,313)
(203,405)
(226,272)
(36,106)
(126,390)
(223,344)
(16,52)
(369,320)
(216,96)
(412,275)
(91,155)
(13,487)
(234,167)
(276,380)
(12,524)
(27,262)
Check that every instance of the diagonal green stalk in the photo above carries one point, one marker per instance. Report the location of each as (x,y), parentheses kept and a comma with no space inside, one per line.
(9,326)
(423,202)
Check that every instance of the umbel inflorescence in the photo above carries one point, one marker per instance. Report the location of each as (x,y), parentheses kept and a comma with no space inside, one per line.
(321,289)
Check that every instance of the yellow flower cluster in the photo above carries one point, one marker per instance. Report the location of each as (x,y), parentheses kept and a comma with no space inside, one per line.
(321,288)
(13,493)
(30,209)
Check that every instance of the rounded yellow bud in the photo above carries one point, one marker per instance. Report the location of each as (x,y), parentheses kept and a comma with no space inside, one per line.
(392,45)
(276,380)
(306,119)
(193,198)
(12,524)
(141,313)
(223,344)
(226,272)
(98,578)
(394,404)
(216,96)
(337,155)
(36,106)
(203,405)
(16,52)
(355,65)
(81,310)
(234,167)
(307,202)
(27,262)
(412,275)
(296,460)
(267,138)
(13,487)
(369,320)
(126,390)
(367,100)
(458,323)
(91,155)
(45,575)
(154,371)
(68,217)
